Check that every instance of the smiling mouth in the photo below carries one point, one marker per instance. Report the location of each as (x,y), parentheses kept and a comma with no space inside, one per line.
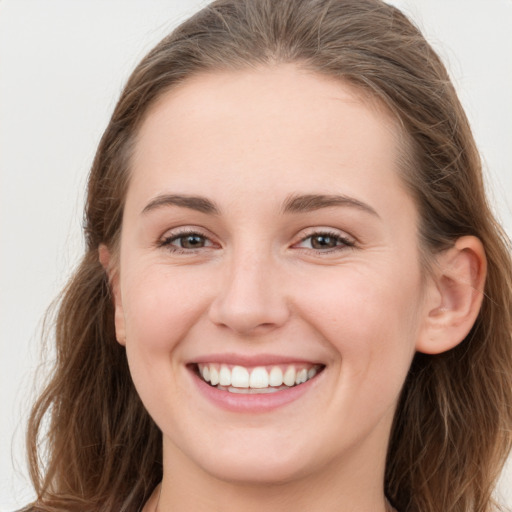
(256,380)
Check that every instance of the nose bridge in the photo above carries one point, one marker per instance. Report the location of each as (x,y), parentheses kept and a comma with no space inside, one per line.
(250,298)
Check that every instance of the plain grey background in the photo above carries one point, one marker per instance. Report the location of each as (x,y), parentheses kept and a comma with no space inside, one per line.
(62,67)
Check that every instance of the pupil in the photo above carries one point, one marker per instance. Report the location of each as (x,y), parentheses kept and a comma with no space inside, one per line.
(322,242)
(192,241)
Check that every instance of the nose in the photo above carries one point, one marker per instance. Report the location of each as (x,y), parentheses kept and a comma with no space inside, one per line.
(251,299)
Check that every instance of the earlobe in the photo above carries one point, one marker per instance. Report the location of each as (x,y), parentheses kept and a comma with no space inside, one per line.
(106,260)
(455,298)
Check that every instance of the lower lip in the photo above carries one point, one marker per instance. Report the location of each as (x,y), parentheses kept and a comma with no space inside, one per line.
(253,403)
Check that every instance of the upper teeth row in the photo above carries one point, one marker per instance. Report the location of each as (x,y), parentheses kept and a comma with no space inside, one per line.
(259,377)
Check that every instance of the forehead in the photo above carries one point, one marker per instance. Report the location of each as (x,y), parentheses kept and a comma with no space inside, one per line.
(293,127)
(287,89)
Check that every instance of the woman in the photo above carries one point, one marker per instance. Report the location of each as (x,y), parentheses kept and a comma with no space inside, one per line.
(294,295)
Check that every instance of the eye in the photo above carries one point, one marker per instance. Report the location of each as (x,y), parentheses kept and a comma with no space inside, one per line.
(186,241)
(325,242)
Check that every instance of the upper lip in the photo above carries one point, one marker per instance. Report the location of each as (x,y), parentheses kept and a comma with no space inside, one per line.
(252,360)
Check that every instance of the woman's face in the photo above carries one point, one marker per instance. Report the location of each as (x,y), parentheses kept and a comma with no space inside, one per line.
(267,236)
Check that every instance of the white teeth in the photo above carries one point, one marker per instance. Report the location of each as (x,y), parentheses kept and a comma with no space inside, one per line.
(214,376)
(276,376)
(224,376)
(239,377)
(250,391)
(302,376)
(259,378)
(289,376)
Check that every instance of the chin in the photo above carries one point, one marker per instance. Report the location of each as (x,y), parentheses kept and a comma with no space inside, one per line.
(251,471)
(272,462)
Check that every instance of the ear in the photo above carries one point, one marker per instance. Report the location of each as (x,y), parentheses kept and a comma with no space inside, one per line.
(107,261)
(454,296)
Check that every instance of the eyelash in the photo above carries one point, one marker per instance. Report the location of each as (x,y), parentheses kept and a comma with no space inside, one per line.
(342,242)
(167,241)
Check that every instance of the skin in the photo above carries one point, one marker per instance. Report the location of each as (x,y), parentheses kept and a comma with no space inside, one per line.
(259,283)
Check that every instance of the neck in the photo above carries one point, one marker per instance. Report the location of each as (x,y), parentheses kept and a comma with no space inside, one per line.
(337,488)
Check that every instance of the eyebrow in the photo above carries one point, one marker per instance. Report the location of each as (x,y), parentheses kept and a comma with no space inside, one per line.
(293,204)
(200,204)
(311,202)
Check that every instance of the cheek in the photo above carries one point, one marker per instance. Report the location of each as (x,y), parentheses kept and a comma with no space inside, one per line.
(160,307)
(371,319)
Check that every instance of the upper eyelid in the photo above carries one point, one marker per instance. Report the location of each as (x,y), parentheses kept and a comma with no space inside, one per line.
(326,231)
(308,232)
(185,230)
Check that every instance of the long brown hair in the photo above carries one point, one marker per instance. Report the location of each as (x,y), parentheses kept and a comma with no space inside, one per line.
(452,428)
